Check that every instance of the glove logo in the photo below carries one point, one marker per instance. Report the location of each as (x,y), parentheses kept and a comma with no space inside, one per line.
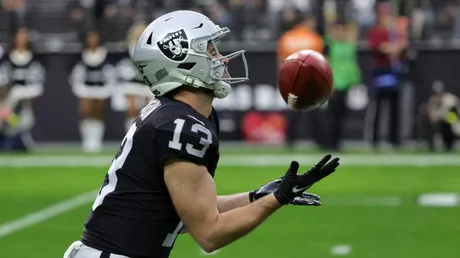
(297,190)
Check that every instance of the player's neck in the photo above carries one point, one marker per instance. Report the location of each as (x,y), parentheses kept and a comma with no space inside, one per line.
(200,102)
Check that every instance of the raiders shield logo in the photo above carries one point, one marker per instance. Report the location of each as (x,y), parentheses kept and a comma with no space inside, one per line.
(174,45)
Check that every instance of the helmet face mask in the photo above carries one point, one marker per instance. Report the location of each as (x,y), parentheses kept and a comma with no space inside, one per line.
(208,46)
(180,48)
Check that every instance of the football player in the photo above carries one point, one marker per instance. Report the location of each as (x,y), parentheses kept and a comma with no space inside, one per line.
(137,93)
(91,80)
(160,183)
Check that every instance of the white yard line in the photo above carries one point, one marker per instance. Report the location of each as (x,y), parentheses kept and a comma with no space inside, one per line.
(46,213)
(228,161)
(250,160)
(439,200)
(54,210)
(341,250)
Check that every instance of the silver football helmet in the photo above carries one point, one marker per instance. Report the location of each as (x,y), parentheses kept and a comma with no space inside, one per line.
(179,48)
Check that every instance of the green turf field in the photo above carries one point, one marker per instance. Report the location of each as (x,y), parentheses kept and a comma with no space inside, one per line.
(370,206)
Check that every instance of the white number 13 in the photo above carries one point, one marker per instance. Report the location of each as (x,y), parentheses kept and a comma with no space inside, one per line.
(176,144)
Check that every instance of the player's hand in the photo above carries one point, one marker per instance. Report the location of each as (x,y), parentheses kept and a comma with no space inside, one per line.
(306,199)
(294,185)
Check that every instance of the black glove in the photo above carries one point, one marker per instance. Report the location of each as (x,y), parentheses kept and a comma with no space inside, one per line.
(293,185)
(306,199)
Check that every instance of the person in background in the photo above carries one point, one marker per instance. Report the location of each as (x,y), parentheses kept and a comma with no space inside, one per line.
(235,9)
(258,23)
(303,36)
(340,49)
(387,43)
(3,72)
(221,14)
(91,81)
(137,92)
(275,6)
(5,113)
(22,78)
(443,117)
(288,19)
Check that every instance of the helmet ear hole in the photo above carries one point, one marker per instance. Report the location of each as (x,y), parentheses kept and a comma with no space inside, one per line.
(186,66)
(149,40)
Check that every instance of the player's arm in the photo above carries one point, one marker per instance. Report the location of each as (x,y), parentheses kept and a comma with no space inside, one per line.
(230,202)
(193,192)
(194,196)
(185,155)
(227,203)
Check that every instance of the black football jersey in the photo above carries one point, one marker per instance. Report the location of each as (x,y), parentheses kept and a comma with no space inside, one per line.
(133,214)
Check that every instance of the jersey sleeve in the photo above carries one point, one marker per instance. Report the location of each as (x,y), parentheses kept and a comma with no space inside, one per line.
(184,138)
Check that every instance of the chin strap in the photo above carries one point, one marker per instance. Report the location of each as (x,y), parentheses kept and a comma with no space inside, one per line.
(221,89)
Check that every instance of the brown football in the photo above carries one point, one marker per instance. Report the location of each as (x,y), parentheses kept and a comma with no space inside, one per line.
(305,80)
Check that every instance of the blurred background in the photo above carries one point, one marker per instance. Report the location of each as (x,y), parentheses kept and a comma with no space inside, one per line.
(427,34)
(68,91)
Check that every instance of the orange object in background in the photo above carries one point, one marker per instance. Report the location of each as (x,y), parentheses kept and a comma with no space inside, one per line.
(296,39)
